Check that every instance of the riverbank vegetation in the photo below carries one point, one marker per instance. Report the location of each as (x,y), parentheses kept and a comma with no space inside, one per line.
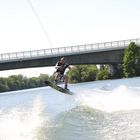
(18,82)
(80,73)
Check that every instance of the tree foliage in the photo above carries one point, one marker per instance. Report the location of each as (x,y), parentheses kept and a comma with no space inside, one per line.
(3,84)
(103,73)
(17,82)
(131,61)
(82,73)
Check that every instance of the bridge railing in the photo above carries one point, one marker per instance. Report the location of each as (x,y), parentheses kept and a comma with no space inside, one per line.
(17,56)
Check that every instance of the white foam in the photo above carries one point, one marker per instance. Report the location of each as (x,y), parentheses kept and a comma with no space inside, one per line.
(120,98)
(18,124)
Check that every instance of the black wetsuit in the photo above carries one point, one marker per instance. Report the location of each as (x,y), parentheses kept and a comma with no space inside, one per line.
(62,67)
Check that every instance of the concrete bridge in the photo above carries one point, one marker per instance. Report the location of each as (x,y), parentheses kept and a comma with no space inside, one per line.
(97,53)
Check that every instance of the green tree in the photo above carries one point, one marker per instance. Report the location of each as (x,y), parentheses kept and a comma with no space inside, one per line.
(137,63)
(103,73)
(16,82)
(42,78)
(3,85)
(82,73)
(33,82)
(131,60)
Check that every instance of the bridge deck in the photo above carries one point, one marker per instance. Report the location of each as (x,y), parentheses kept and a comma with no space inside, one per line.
(97,47)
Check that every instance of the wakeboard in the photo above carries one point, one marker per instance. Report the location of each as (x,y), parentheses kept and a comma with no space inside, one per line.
(58,88)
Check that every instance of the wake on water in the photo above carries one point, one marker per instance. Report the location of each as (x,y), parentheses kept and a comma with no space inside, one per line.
(101,110)
(121,98)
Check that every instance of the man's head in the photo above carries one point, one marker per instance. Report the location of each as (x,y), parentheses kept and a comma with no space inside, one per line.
(63,59)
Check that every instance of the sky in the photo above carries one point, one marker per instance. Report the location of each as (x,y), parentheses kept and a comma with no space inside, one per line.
(66,22)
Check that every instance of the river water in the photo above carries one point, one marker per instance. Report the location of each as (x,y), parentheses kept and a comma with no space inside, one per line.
(100,110)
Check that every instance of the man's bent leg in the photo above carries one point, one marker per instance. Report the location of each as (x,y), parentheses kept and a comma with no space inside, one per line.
(56,77)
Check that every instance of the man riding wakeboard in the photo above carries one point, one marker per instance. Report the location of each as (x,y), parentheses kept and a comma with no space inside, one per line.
(61,66)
